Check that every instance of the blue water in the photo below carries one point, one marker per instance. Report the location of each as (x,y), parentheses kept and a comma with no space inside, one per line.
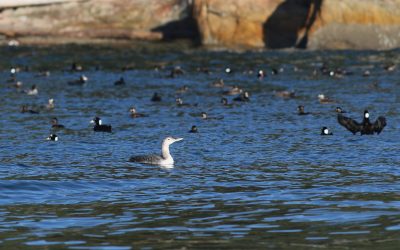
(258,176)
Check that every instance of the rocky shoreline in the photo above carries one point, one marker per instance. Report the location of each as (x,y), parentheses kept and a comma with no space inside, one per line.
(271,24)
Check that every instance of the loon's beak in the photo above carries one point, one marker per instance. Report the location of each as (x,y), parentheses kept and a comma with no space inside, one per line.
(178,139)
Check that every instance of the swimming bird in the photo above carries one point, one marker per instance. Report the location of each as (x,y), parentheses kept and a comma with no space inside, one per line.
(165,159)
(235,90)
(156,97)
(324,99)
(325,131)
(98,127)
(260,74)
(183,89)
(300,110)
(193,129)
(176,71)
(218,83)
(339,110)
(121,81)
(285,94)
(179,103)
(243,97)
(224,102)
(135,114)
(50,104)
(76,67)
(52,137)
(365,127)
(81,81)
(25,109)
(32,91)
(54,123)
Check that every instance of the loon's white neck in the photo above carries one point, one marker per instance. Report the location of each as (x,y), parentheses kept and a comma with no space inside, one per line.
(165,151)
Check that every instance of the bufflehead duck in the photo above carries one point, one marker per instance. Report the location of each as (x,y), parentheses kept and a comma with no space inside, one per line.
(365,127)
(339,110)
(218,83)
(325,131)
(165,159)
(98,127)
(390,67)
(33,90)
(25,109)
(54,123)
(324,99)
(193,129)
(81,81)
(243,97)
(135,114)
(121,81)
(156,97)
(300,110)
(52,137)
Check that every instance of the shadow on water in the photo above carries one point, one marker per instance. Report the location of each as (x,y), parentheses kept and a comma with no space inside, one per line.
(291,18)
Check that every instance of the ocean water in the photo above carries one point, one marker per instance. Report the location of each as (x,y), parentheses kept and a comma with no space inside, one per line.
(256,175)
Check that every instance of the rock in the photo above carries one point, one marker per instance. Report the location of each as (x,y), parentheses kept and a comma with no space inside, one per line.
(126,19)
(367,24)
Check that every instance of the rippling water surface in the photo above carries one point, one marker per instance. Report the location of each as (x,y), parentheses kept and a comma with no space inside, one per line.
(258,176)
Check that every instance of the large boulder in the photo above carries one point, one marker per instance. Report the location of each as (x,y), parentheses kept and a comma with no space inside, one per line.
(367,24)
(143,19)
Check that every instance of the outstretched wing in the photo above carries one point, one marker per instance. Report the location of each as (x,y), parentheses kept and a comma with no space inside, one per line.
(349,123)
(379,124)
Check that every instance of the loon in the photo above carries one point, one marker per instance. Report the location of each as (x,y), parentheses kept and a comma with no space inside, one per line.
(121,81)
(300,110)
(52,137)
(165,159)
(98,127)
(325,131)
(54,123)
(193,129)
(156,97)
(365,127)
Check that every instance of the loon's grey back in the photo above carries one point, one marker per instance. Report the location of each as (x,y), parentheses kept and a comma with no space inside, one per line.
(146,158)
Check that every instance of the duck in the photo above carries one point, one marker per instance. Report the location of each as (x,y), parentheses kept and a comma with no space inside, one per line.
(156,97)
(365,127)
(325,131)
(260,74)
(218,83)
(32,91)
(285,94)
(176,71)
(52,137)
(390,67)
(183,89)
(224,102)
(235,90)
(76,67)
(193,129)
(300,110)
(165,159)
(98,127)
(25,109)
(81,81)
(339,110)
(324,99)
(17,84)
(135,114)
(55,124)
(50,104)
(121,81)
(179,103)
(243,97)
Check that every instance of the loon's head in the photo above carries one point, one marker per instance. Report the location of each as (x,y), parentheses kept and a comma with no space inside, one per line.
(193,129)
(54,121)
(366,114)
(52,137)
(169,140)
(96,121)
